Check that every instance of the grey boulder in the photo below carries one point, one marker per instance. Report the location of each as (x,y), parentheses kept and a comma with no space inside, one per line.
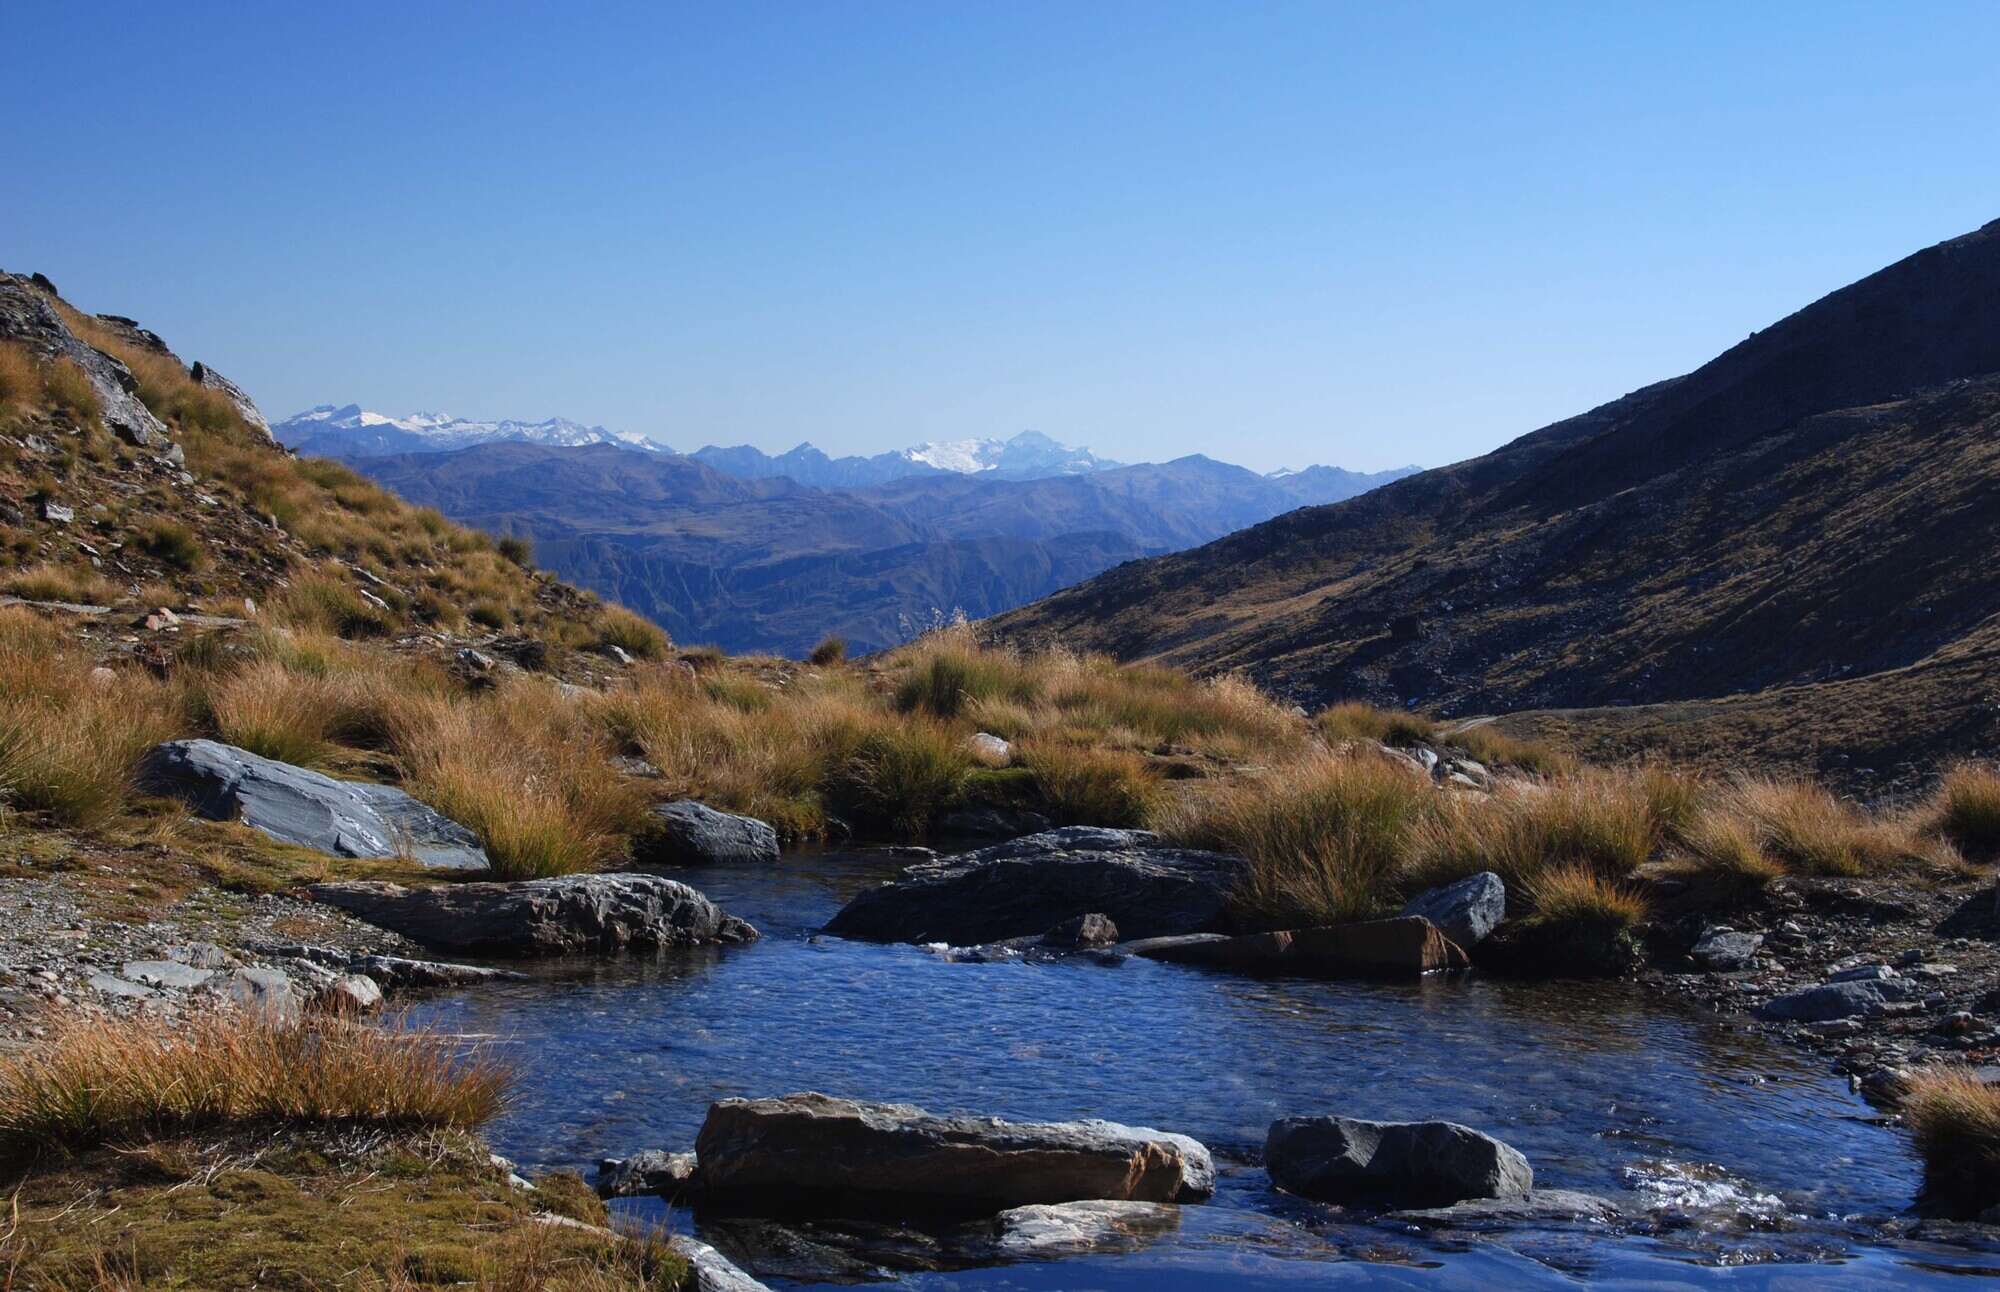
(1047,1231)
(815,1153)
(1467,911)
(1396,1164)
(1026,886)
(1832,1000)
(566,915)
(297,806)
(1726,950)
(687,833)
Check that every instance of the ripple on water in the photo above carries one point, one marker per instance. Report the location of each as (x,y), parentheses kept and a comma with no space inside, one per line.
(1602,1088)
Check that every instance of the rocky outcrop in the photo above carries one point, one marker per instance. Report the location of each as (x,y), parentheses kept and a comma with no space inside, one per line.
(687,833)
(210,379)
(1027,886)
(1466,911)
(294,805)
(1396,1164)
(1406,947)
(1092,930)
(711,1270)
(1725,950)
(817,1154)
(653,1171)
(28,317)
(567,915)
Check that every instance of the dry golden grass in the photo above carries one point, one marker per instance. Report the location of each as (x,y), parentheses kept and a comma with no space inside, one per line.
(638,637)
(327,601)
(1080,785)
(1955,1118)
(66,388)
(77,583)
(1359,720)
(1724,855)
(1494,748)
(830,650)
(1965,809)
(20,376)
(69,745)
(1599,821)
(1327,839)
(310,714)
(98,1079)
(1809,830)
(525,770)
(1573,896)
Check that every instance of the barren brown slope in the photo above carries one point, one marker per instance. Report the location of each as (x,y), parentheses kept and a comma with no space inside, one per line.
(1812,504)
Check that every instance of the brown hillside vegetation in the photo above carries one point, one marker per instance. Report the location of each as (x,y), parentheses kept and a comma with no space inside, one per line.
(1805,511)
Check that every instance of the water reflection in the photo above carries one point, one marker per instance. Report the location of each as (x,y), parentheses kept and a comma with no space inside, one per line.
(1602,1088)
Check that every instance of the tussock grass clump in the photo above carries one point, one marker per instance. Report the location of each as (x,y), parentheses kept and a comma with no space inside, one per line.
(1955,1118)
(1079,785)
(525,770)
(638,637)
(1600,822)
(101,1079)
(77,584)
(901,777)
(1726,857)
(831,650)
(66,388)
(954,673)
(517,548)
(20,376)
(327,601)
(1327,840)
(1573,896)
(1808,829)
(69,745)
(307,715)
(171,543)
(1965,809)
(1359,720)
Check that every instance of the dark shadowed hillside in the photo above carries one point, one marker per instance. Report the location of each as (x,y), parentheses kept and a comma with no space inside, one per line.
(1814,504)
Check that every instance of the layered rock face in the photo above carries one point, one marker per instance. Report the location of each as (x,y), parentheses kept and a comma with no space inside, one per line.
(824,1155)
(28,317)
(567,915)
(1027,886)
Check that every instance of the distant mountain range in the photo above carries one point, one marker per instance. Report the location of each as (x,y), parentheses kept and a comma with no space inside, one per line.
(1781,556)
(768,563)
(350,431)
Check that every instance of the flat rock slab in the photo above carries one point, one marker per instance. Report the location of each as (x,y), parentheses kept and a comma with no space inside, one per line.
(1542,1206)
(1405,947)
(1394,1164)
(1833,1000)
(567,915)
(298,806)
(817,1155)
(687,833)
(1028,886)
(713,1272)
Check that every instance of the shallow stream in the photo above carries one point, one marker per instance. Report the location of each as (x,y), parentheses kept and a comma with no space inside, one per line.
(1737,1163)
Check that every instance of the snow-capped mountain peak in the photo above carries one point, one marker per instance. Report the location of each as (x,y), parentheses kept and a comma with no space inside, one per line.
(352,431)
(1027,455)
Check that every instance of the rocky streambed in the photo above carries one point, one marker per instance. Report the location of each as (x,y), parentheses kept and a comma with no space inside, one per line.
(1669,1147)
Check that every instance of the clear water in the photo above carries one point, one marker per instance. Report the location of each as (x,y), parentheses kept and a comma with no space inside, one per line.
(1741,1163)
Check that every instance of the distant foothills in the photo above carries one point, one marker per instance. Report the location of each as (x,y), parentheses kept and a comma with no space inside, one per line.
(755,552)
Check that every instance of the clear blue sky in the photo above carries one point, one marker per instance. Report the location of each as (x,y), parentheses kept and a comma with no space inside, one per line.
(1274,233)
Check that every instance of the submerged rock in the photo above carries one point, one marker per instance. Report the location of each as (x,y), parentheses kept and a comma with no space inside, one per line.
(297,806)
(1409,1164)
(815,1153)
(687,833)
(1398,948)
(1029,885)
(1046,1231)
(1536,1206)
(570,914)
(1092,930)
(1466,911)
(654,1171)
